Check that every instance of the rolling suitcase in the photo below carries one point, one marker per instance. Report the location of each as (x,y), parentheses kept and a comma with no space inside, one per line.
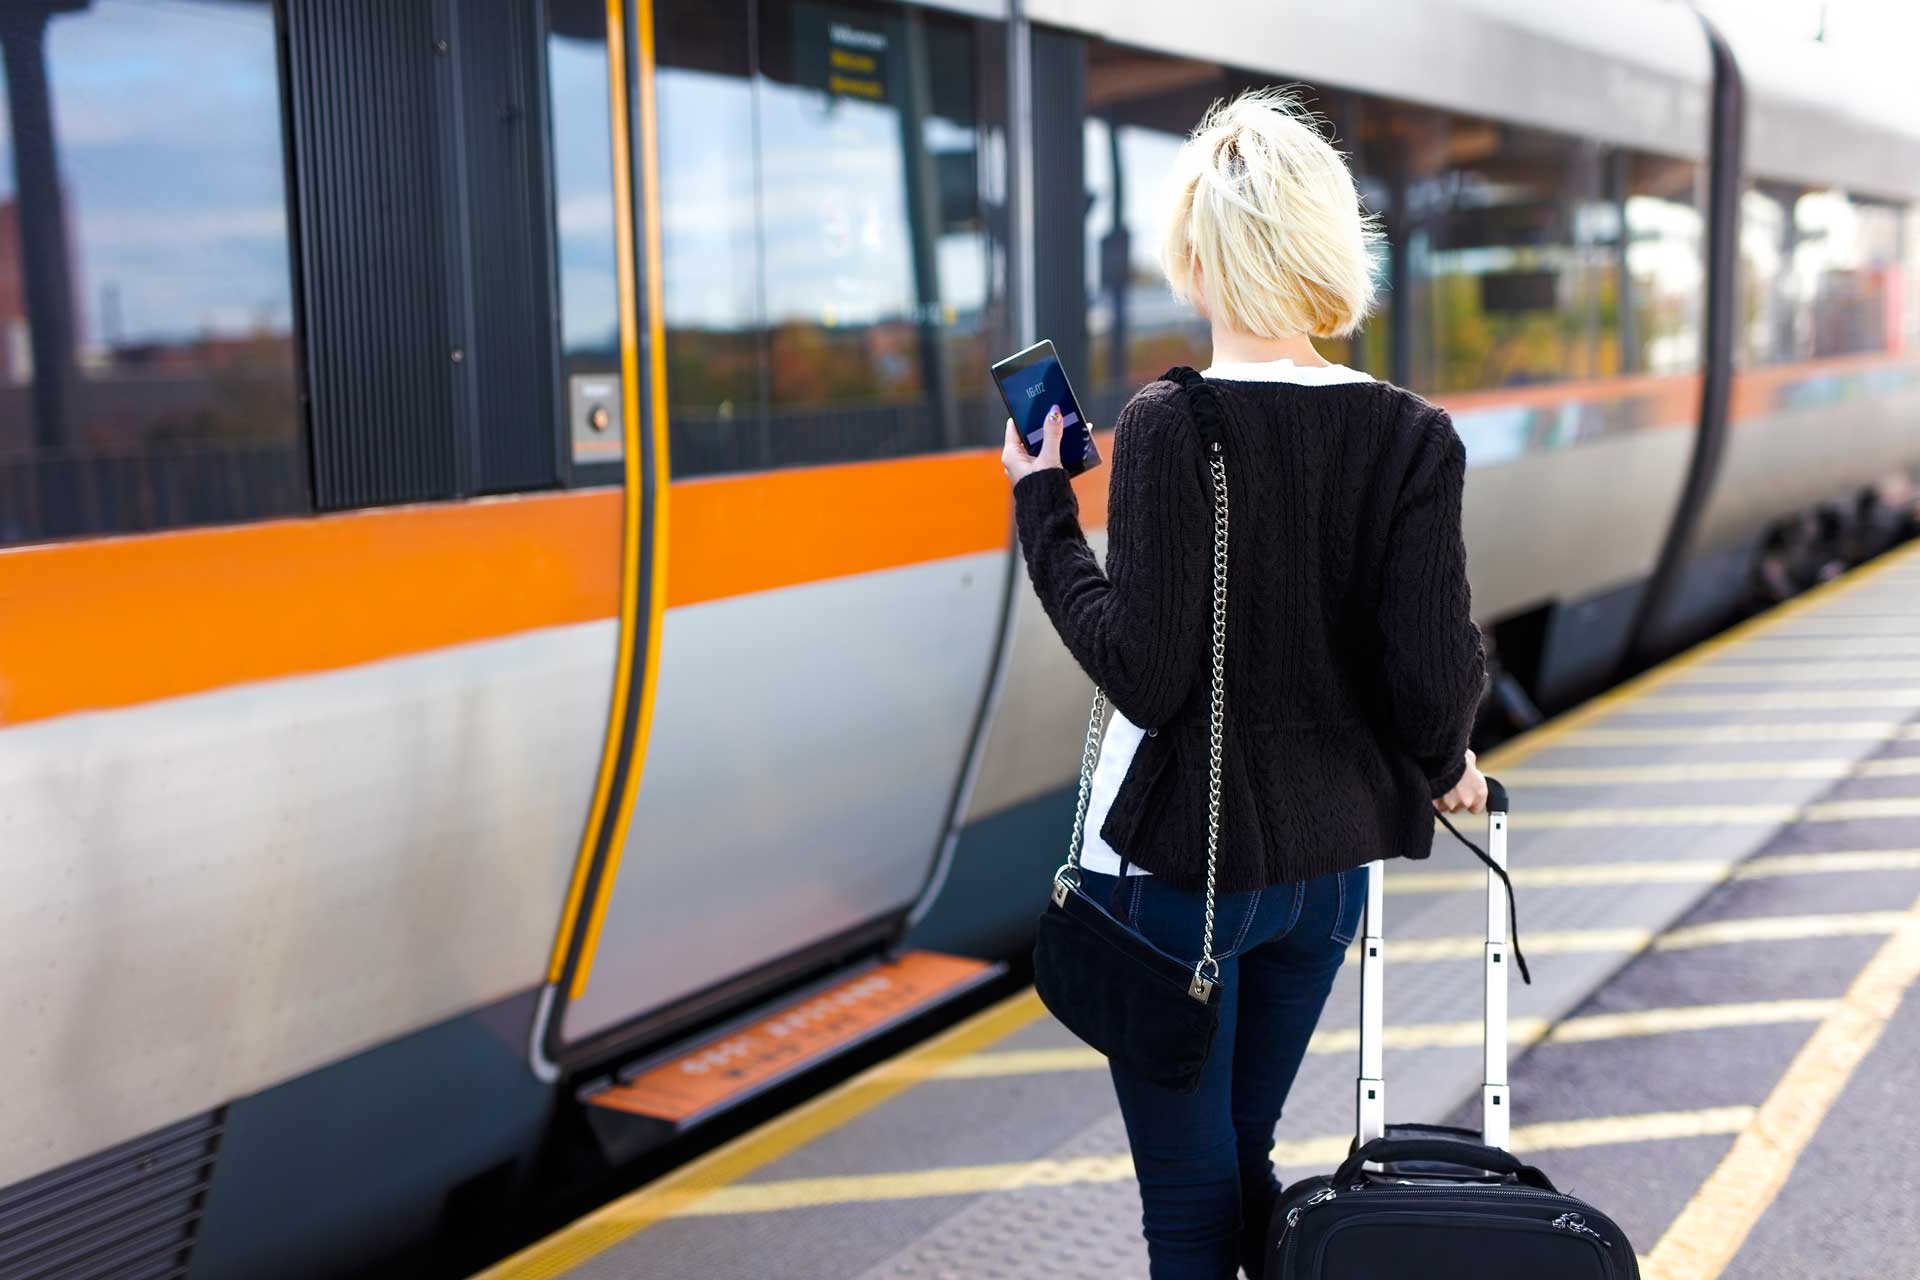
(1432,1201)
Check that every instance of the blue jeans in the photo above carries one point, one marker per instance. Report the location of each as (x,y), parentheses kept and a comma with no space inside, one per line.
(1204,1159)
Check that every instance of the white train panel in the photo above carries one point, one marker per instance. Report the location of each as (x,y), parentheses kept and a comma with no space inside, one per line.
(804,751)
(211,894)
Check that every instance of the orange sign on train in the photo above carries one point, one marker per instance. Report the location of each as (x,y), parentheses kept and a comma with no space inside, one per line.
(795,1036)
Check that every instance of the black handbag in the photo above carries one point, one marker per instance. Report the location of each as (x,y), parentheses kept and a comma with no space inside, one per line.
(1147,1011)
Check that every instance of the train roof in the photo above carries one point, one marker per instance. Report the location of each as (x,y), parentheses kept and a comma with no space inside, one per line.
(1640,78)
(1639,74)
(1823,116)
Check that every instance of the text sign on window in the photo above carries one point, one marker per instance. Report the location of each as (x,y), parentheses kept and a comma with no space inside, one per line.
(848,56)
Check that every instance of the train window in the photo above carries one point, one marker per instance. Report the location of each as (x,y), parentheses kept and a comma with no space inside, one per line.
(1504,246)
(826,282)
(1821,275)
(1662,282)
(1140,107)
(715,349)
(147,368)
(583,219)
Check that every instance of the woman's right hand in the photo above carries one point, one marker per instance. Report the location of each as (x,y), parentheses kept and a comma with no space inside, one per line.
(1470,793)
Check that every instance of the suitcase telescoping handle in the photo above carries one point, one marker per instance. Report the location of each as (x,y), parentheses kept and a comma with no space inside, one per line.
(1446,1151)
(1371,1089)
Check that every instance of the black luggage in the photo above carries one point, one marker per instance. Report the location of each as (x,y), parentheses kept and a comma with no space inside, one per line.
(1432,1201)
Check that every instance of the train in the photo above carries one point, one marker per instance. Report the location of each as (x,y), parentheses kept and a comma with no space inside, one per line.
(503,559)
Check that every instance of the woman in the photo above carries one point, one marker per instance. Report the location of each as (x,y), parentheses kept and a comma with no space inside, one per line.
(1353,665)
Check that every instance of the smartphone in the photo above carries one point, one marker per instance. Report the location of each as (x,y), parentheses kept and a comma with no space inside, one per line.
(1032,382)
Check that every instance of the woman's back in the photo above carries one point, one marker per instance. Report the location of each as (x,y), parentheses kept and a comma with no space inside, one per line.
(1352,669)
(1353,665)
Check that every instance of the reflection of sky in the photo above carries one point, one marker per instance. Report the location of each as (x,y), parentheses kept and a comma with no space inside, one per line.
(168,121)
(833,238)
(583,185)
(1146,159)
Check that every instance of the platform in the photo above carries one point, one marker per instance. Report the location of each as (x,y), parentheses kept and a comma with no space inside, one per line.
(1719,878)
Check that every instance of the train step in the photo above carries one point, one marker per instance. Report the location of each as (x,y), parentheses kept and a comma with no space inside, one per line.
(677,1089)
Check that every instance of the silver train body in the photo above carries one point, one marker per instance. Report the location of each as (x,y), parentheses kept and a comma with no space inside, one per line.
(315,911)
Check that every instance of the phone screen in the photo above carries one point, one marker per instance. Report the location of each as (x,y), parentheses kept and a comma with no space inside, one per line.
(1031,383)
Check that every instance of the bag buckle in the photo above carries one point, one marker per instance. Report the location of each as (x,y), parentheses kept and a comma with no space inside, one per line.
(1059,891)
(1200,988)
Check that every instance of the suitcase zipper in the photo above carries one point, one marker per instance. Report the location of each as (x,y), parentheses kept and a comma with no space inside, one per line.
(1293,1215)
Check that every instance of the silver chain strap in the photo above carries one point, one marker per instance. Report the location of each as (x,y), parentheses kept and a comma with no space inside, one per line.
(1206,971)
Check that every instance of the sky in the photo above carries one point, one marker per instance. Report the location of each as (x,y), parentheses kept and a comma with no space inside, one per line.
(1864,26)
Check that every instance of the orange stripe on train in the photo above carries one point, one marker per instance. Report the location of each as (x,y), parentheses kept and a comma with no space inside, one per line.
(113,622)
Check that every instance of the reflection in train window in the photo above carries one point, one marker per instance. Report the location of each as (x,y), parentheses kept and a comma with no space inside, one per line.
(583,184)
(1140,107)
(1512,256)
(147,369)
(1506,241)
(827,279)
(1821,275)
(1662,285)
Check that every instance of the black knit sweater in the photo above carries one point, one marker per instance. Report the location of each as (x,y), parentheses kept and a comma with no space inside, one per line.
(1354,667)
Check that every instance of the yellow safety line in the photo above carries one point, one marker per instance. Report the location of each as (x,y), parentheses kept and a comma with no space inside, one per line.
(631,480)
(1521,1032)
(1666,871)
(1708,1233)
(678,1192)
(984,1179)
(1653,775)
(660,491)
(1527,744)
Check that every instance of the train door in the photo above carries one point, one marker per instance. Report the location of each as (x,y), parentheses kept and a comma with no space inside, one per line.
(817,533)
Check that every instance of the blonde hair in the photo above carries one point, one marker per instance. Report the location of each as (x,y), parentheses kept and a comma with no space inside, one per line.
(1267,209)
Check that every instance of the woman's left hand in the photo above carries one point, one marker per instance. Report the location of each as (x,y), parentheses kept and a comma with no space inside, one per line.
(1019,463)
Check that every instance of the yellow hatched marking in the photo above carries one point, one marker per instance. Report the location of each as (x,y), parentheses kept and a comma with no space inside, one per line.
(1669,871)
(1535,943)
(1576,723)
(1521,1032)
(985,1179)
(1724,734)
(1709,1231)
(1718,815)
(1796,864)
(1778,929)
(1783,646)
(1710,1017)
(1684,815)
(1715,771)
(1575,941)
(678,1191)
(1776,700)
(1870,807)
(1800,672)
